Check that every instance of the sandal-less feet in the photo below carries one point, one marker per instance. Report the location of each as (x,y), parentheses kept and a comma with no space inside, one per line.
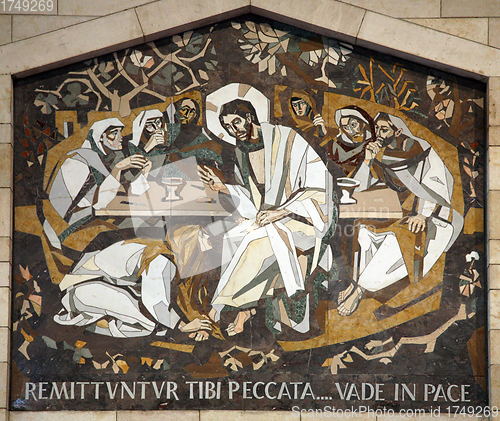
(201,335)
(349,299)
(238,325)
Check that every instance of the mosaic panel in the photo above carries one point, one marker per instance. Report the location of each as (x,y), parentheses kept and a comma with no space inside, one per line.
(248,216)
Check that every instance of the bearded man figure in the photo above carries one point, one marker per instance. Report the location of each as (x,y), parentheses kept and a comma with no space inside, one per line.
(391,251)
(357,129)
(282,193)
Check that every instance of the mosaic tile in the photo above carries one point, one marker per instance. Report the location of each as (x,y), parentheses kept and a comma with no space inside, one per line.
(248,216)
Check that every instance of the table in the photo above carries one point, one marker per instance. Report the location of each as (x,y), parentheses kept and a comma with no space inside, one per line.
(199,200)
(377,203)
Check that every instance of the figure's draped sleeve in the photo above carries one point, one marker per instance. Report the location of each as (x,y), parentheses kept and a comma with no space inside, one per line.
(106,192)
(307,189)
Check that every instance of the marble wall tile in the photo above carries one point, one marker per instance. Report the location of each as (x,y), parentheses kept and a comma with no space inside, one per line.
(113,31)
(5,249)
(5,293)
(251,415)
(468,28)
(5,97)
(493,168)
(157,18)
(428,45)
(493,221)
(6,133)
(159,415)
(494,101)
(4,385)
(343,19)
(494,136)
(494,251)
(92,8)
(494,314)
(494,276)
(470,8)
(4,345)
(5,29)
(6,170)
(494,349)
(6,212)
(494,383)
(26,26)
(63,416)
(401,9)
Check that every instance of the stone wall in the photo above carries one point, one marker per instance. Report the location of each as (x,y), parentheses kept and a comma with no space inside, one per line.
(455,35)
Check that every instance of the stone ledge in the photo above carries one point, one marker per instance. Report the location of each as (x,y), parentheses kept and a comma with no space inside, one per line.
(63,416)
(6,98)
(158,415)
(5,249)
(493,176)
(469,8)
(5,274)
(493,202)
(4,344)
(331,18)
(6,210)
(70,45)
(5,294)
(473,29)
(4,382)
(96,8)
(250,415)
(494,313)
(158,20)
(494,277)
(494,385)
(6,133)
(494,136)
(429,47)
(494,347)
(27,26)
(402,8)
(5,29)
(493,101)
(6,170)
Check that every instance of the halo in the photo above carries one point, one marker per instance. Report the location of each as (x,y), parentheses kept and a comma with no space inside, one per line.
(227,94)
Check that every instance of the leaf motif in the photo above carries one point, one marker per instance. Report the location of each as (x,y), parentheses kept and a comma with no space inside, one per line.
(123,365)
(363,72)
(25,272)
(158,364)
(136,57)
(146,361)
(203,74)
(23,349)
(177,41)
(80,344)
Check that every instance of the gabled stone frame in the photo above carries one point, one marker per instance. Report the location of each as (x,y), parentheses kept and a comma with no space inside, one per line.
(167,17)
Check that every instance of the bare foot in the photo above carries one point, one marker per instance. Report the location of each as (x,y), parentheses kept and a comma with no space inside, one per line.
(196,325)
(349,300)
(199,336)
(238,325)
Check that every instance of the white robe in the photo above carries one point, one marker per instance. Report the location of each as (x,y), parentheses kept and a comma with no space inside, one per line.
(296,179)
(381,259)
(88,298)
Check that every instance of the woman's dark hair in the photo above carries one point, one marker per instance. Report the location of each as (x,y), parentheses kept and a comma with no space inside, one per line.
(177,106)
(297,98)
(239,107)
